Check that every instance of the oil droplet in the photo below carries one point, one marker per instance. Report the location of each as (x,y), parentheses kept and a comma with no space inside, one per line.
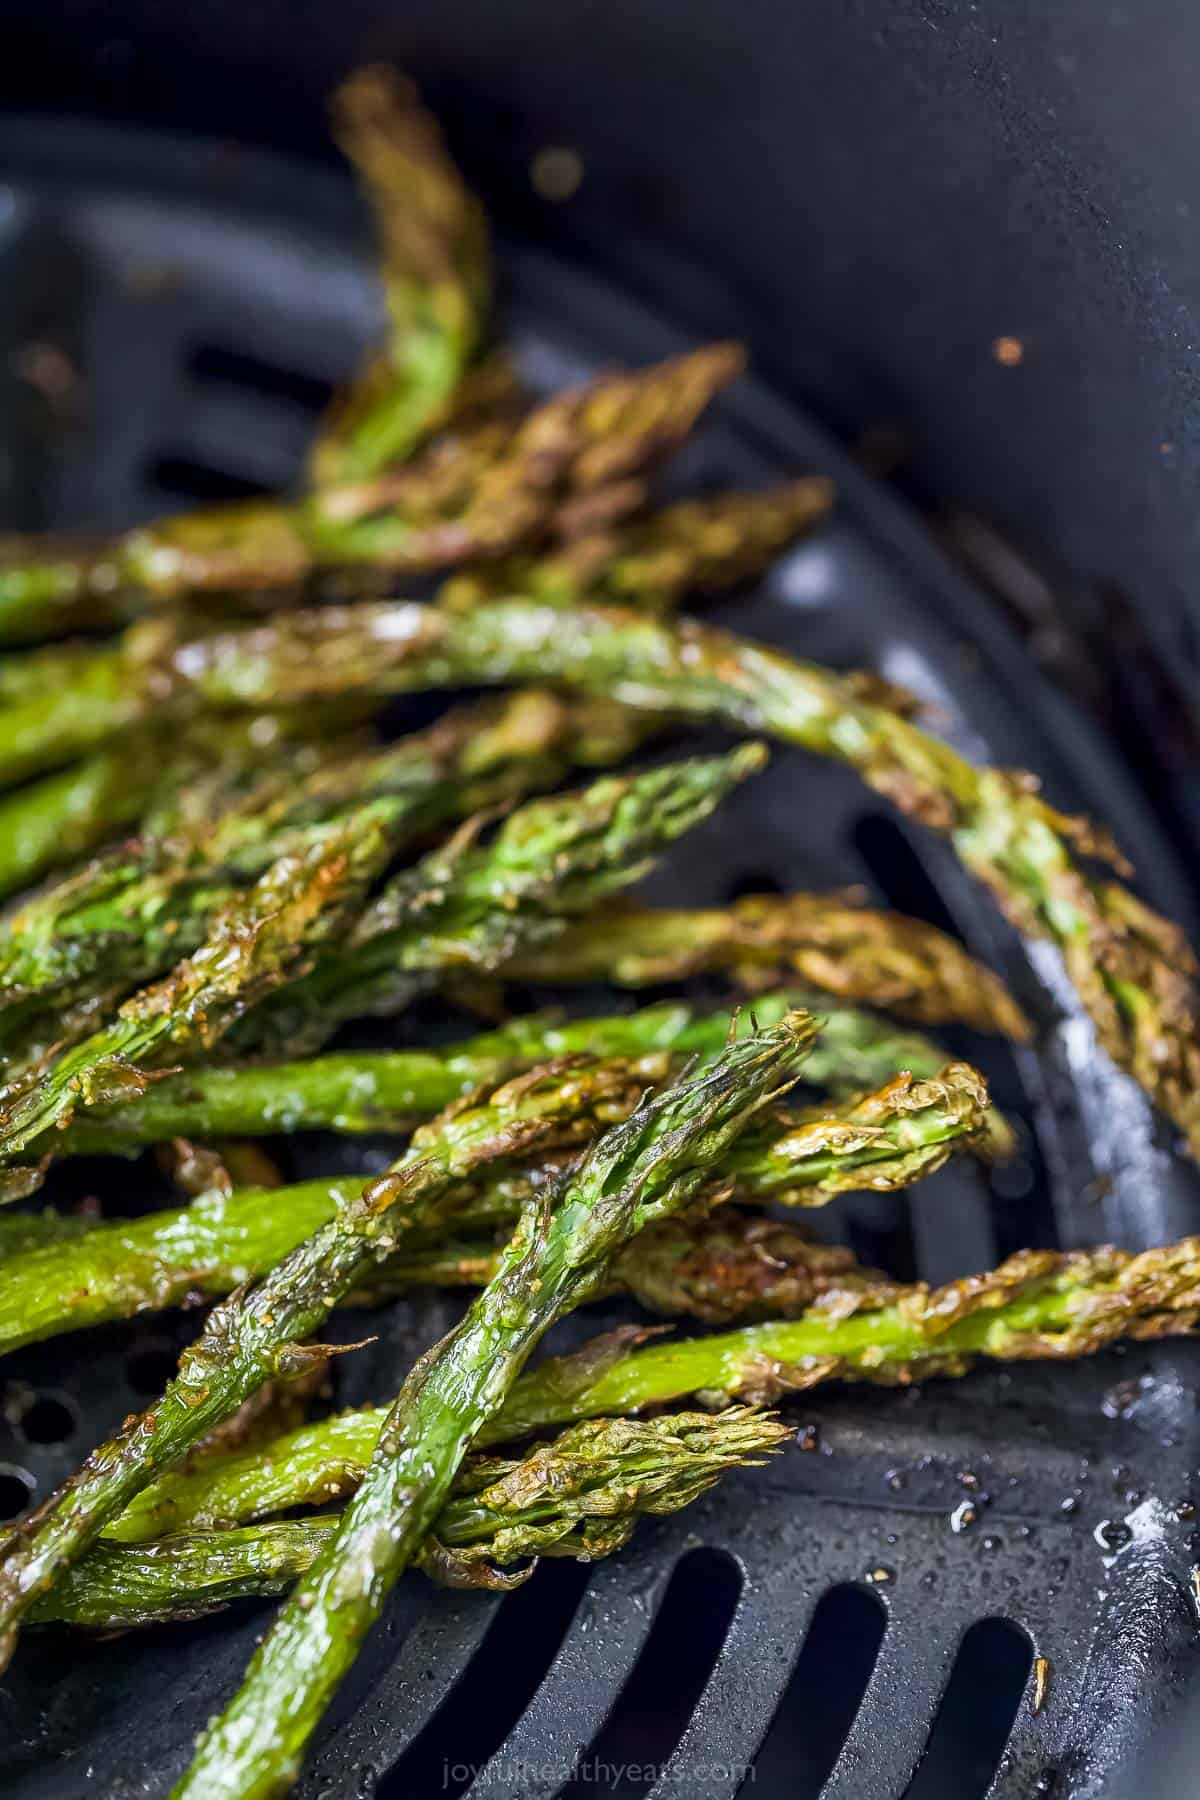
(1008,351)
(1119,1400)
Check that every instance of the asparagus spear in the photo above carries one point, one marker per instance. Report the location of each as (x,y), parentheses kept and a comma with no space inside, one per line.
(725,1269)
(252,948)
(1038,1305)
(699,546)
(578,1496)
(260,1333)
(437,277)
(832,941)
(357,1091)
(480,492)
(642,1170)
(62,816)
(888,1139)
(469,907)
(459,905)
(130,916)
(1132,969)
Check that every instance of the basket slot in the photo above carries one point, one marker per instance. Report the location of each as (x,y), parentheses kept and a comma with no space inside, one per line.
(475,1719)
(603,1642)
(977,1713)
(823,1694)
(672,1677)
(898,1707)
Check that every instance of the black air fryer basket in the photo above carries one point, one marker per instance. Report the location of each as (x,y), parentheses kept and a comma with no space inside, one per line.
(983,1587)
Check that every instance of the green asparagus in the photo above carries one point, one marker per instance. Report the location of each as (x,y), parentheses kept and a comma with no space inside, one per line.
(132,915)
(642,1170)
(463,904)
(464,907)
(1132,969)
(888,1139)
(253,947)
(1038,1305)
(832,941)
(437,278)
(694,546)
(262,1332)
(479,492)
(728,1268)
(578,1496)
(366,1091)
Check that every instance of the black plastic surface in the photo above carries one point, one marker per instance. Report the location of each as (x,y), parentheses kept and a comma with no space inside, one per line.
(176,275)
(874,191)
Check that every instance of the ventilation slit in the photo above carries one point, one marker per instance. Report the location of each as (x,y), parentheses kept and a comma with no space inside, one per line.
(238,368)
(898,872)
(819,1704)
(186,478)
(497,1686)
(150,1365)
(976,1714)
(754,881)
(657,1701)
(48,1420)
(16,1490)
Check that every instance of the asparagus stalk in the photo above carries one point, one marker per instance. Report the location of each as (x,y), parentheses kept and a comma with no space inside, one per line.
(130,916)
(481,492)
(460,905)
(466,907)
(852,951)
(697,546)
(437,279)
(1132,969)
(261,1333)
(373,1091)
(832,941)
(63,816)
(729,1268)
(579,1496)
(638,1172)
(1039,1305)
(252,948)
(889,1139)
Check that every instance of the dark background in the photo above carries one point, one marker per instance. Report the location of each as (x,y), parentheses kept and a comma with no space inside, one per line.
(872,193)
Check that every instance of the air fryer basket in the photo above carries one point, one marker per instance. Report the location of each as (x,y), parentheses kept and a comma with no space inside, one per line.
(869,1615)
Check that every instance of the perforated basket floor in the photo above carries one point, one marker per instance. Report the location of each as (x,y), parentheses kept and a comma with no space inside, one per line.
(860,1619)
